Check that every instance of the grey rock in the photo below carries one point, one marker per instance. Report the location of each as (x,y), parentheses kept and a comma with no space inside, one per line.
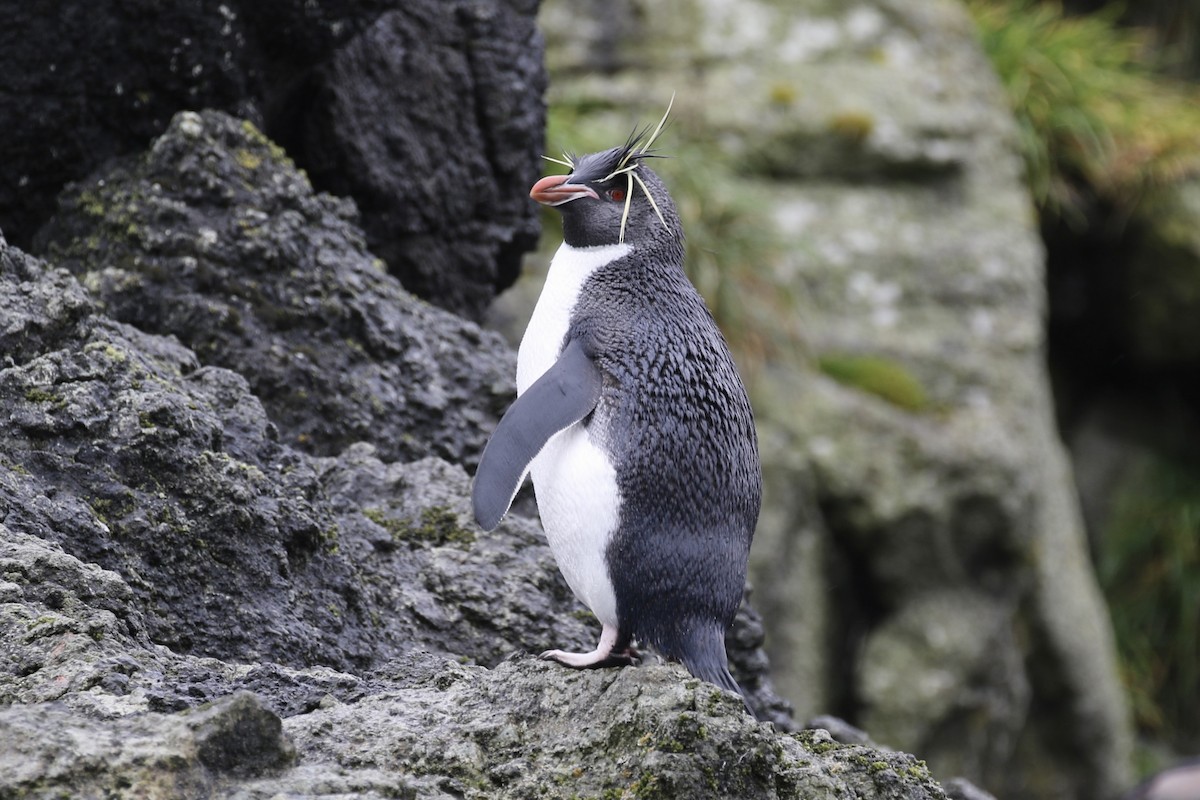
(448,106)
(963,789)
(954,638)
(124,452)
(240,738)
(526,728)
(839,729)
(652,731)
(442,181)
(745,644)
(53,751)
(216,237)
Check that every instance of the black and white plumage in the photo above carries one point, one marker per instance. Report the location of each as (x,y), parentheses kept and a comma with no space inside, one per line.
(633,423)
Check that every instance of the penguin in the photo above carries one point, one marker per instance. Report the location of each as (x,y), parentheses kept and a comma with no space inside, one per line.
(633,423)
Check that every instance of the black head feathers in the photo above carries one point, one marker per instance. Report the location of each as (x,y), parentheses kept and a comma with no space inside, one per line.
(617,162)
(605,165)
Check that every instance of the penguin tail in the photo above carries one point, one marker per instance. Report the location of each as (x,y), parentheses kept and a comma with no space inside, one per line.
(704,656)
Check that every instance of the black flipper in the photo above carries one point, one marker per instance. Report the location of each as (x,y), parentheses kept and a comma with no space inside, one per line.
(565,394)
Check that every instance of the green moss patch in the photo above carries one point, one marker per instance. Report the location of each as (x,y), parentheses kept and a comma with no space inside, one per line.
(879,376)
(437,525)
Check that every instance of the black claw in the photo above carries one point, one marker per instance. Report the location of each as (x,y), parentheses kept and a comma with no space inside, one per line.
(614,660)
(625,658)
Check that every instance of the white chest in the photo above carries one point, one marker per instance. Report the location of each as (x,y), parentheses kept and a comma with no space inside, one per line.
(576,486)
(543,340)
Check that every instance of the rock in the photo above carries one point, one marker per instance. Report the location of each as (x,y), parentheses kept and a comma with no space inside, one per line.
(651,732)
(165,551)
(745,644)
(443,182)
(920,561)
(844,732)
(50,749)
(126,453)
(839,729)
(214,236)
(90,82)
(454,731)
(963,789)
(445,115)
(237,736)
(961,645)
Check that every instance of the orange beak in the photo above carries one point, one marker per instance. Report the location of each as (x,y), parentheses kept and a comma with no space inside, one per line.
(553,190)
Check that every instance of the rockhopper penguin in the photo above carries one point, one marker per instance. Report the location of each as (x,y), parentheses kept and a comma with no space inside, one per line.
(634,424)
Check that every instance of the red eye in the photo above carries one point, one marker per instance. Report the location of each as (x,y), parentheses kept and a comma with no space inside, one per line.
(616,194)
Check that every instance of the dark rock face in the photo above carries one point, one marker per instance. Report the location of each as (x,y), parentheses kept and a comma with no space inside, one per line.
(215,237)
(433,172)
(130,456)
(84,82)
(420,104)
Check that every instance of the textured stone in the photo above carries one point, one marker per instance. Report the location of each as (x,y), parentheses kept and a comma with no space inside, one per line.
(129,456)
(214,236)
(427,113)
(442,181)
(51,751)
(652,732)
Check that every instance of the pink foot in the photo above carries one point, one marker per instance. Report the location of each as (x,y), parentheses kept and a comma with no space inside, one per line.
(602,656)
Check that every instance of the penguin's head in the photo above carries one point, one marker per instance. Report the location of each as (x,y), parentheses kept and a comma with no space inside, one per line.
(612,197)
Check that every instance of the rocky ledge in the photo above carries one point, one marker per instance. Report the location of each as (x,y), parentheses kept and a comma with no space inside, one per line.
(205,592)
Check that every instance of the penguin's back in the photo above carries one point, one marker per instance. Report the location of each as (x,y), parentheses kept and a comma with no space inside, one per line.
(677,425)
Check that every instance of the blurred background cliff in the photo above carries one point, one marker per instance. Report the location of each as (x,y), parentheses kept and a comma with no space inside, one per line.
(957,249)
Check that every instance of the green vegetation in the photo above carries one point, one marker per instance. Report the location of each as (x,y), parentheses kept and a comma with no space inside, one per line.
(879,376)
(854,126)
(257,138)
(437,525)
(36,394)
(816,741)
(1095,115)
(1150,571)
